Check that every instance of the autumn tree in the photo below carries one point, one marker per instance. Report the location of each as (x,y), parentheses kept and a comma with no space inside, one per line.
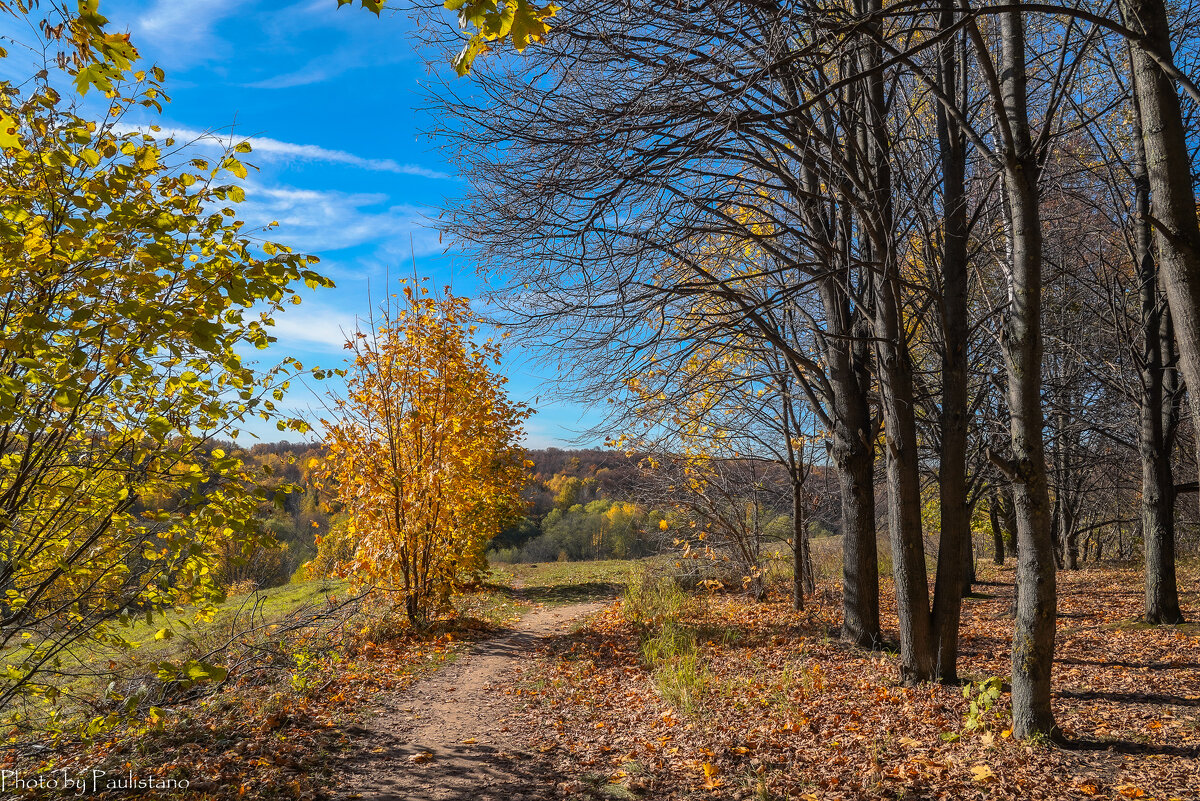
(128,292)
(423,450)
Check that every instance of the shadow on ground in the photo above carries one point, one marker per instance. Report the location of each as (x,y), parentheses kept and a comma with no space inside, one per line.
(554,594)
(462,773)
(1130,747)
(1155,699)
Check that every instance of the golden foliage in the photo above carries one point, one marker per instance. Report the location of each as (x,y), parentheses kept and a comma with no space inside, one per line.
(423,450)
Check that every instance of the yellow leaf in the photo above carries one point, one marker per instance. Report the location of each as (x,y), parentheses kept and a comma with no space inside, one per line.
(983,773)
(8,132)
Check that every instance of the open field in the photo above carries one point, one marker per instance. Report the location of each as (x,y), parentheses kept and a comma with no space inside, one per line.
(555,583)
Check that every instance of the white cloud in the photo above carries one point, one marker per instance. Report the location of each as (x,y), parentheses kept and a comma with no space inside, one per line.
(313,326)
(181,32)
(318,221)
(276,150)
(306,76)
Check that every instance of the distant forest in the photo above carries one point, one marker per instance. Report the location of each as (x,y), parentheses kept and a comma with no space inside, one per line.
(582,504)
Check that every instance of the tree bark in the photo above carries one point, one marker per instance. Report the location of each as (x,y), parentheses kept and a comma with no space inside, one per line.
(800,567)
(1158,412)
(968,565)
(952,460)
(904,493)
(1033,634)
(853,454)
(997,531)
(1169,175)
(896,387)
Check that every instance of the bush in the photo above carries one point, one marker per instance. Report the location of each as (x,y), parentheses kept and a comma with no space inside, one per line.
(261,568)
(333,550)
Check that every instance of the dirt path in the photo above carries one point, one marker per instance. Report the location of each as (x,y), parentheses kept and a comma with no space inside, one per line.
(450,738)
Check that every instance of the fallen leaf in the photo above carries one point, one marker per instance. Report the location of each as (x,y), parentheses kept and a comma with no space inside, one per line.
(711,773)
(983,773)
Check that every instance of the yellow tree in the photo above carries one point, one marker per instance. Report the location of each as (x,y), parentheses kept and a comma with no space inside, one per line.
(128,291)
(423,450)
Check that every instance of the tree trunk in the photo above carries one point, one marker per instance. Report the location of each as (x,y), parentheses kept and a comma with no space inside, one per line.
(1071,545)
(895,373)
(412,608)
(968,566)
(1008,515)
(1158,411)
(952,464)
(997,531)
(1033,634)
(904,492)
(1169,175)
(799,539)
(854,459)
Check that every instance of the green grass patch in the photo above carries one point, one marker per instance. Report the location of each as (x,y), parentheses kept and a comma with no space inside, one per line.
(560,583)
(670,640)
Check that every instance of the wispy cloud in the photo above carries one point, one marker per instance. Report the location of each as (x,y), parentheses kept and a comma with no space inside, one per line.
(319,221)
(180,32)
(276,150)
(313,326)
(305,76)
(349,38)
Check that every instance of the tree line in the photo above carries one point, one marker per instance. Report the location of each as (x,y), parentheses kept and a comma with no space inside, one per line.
(958,239)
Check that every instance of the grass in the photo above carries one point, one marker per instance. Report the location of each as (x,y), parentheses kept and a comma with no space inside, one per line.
(672,652)
(178,635)
(265,617)
(561,583)
(257,608)
(262,605)
(670,641)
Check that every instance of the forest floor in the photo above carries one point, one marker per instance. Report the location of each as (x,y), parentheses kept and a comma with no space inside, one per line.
(561,691)
(723,697)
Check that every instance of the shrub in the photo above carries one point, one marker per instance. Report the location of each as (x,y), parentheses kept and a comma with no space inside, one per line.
(263,567)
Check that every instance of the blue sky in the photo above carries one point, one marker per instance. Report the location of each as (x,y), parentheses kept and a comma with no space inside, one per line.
(328,97)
